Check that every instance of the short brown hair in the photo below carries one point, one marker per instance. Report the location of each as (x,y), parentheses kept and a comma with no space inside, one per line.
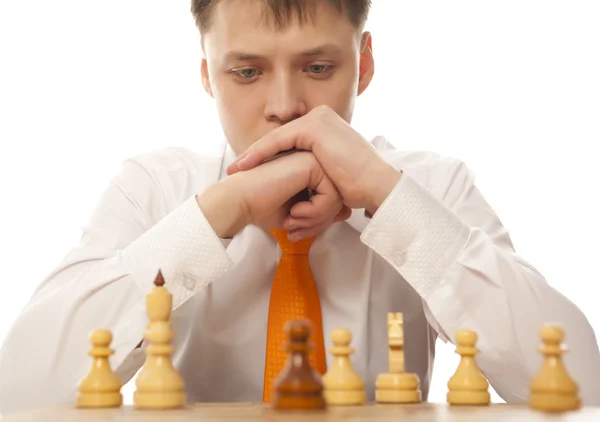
(281,11)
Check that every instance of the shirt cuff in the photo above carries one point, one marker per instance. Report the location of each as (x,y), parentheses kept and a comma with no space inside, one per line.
(184,247)
(416,234)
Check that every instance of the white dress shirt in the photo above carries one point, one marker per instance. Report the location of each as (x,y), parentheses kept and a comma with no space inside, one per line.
(435,251)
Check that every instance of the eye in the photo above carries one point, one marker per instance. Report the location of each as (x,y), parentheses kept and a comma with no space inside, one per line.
(319,70)
(245,75)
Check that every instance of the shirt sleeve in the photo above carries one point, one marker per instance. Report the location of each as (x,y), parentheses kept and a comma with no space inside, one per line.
(454,251)
(101,283)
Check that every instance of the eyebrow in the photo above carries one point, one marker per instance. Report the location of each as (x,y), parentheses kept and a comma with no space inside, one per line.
(316,51)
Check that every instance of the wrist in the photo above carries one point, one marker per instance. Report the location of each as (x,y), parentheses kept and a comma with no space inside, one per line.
(222,209)
(381,183)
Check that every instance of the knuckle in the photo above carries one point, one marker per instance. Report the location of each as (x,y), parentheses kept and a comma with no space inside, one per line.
(322,109)
(321,112)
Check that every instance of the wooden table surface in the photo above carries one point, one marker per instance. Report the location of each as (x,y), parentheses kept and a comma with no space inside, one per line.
(424,412)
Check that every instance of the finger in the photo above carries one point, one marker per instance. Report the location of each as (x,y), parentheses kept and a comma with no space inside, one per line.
(302,223)
(295,235)
(318,208)
(233,168)
(306,209)
(287,137)
(292,223)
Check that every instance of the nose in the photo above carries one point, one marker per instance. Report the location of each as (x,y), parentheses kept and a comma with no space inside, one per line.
(284,100)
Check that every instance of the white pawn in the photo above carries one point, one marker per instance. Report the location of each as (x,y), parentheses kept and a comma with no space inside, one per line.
(341,384)
(552,389)
(159,385)
(467,386)
(101,387)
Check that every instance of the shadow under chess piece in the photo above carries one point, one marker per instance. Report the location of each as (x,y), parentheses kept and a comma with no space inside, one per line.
(397,386)
(159,385)
(467,386)
(101,387)
(298,386)
(553,390)
(342,385)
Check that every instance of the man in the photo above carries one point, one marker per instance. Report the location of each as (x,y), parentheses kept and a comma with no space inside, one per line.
(395,231)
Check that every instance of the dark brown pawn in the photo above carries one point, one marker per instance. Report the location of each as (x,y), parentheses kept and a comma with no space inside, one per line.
(298,386)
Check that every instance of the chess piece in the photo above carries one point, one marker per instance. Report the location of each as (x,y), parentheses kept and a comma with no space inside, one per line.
(467,386)
(397,386)
(298,386)
(342,385)
(101,388)
(396,342)
(553,390)
(159,385)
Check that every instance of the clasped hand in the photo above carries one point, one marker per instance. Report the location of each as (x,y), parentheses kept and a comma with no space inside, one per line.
(336,163)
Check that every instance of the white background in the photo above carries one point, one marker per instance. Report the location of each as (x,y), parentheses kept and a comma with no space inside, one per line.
(512,88)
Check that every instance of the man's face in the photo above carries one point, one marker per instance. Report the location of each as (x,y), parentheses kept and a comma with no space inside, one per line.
(262,77)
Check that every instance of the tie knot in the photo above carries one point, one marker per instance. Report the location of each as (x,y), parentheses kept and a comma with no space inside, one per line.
(288,247)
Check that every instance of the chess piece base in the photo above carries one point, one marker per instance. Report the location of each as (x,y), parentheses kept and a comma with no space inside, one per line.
(468,397)
(550,402)
(398,388)
(398,396)
(340,397)
(299,402)
(159,400)
(99,400)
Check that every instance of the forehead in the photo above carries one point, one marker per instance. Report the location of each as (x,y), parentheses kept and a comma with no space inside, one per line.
(250,24)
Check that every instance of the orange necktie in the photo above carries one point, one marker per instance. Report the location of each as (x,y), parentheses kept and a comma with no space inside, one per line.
(294,295)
